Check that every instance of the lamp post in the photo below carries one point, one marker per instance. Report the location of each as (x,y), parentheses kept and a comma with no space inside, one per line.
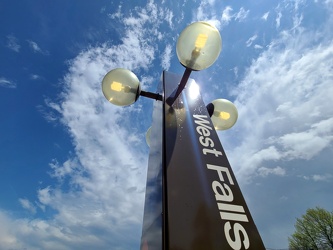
(192,198)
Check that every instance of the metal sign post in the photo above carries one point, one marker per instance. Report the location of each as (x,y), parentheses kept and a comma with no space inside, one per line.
(193,201)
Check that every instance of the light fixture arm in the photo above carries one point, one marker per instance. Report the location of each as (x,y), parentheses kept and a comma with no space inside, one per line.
(180,87)
(151,95)
(210,109)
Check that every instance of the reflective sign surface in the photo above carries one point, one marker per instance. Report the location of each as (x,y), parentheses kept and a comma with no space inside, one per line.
(202,204)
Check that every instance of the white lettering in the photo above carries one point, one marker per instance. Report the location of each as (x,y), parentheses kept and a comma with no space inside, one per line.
(233,216)
(231,207)
(206,141)
(212,151)
(204,129)
(238,229)
(223,196)
(202,121)
(223,192)
(219,170)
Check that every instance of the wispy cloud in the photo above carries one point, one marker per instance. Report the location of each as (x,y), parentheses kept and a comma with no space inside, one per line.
(35,48)
(26,204)
(281,102)
(263,171)
(309,142)
(228,16)
(257,46)
(242,14)
(251,40)
(169,17)
(206,12)
(101,206)
(319,177)
(166,57)
(7,83)
(97,200)
(49,115)
(265,16)
(278,19)
(35,77)
(13,43)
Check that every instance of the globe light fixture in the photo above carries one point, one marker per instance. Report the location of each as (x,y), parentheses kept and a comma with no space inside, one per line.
(121,87)
(199,45)
(223,113)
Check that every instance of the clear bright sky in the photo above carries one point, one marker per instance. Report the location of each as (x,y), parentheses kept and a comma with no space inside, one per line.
(73,167)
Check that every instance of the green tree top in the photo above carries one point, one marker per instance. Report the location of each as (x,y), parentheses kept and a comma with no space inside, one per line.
(314,230)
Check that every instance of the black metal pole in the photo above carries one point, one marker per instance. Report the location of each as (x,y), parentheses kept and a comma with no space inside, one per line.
(180,87)
(151,95)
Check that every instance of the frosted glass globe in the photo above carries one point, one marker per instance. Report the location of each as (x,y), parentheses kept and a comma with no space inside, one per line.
(199,45)
(121,87)
(225,114)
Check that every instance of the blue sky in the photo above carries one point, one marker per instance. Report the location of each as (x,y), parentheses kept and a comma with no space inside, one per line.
(73,167)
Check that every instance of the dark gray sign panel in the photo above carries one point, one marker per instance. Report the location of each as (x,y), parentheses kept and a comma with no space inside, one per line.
(193,201)
(205,206)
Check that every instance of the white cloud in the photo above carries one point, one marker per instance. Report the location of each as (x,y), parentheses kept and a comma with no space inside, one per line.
(60,171)
(166,57)
(38,234)
(206,12)
(297,20)
(26,204)
(318,177)
(35,47)
(168,17)
(117,14)
(35,77)
(242,14)
(235,70)
(98,199)
(278,20)
(283,114)
(308,143)
(263,171)
(107,164)
(251,40)
(265,16)
(49,115)
(214,22)
(7,83)
(256,159)
(298,3)
(226,15)
(12,43)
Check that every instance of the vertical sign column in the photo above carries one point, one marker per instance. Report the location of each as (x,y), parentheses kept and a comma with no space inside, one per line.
(205,208)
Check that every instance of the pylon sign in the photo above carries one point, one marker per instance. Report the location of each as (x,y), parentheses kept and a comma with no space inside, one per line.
(202,204)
